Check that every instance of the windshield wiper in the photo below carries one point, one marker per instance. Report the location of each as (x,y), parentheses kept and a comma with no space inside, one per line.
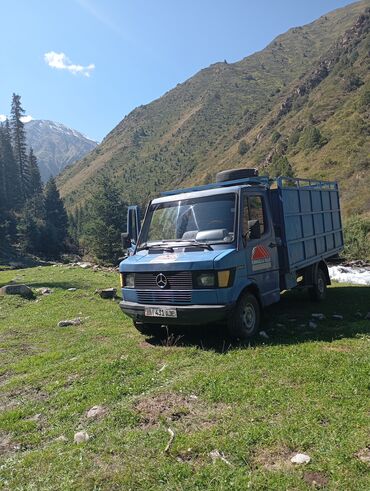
(194,242)
(179,243)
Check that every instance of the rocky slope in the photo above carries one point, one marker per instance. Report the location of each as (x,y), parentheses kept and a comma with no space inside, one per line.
(305,97)
(55,145)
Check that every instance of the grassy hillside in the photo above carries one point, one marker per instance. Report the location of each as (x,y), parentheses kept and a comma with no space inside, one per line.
(302,390)
(313,75)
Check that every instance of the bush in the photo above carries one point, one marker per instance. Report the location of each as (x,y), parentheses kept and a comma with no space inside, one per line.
(357,238)
(280,166)
(243,147)
(312,138)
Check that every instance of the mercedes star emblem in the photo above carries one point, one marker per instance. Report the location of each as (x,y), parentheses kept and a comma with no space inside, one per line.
(161,280)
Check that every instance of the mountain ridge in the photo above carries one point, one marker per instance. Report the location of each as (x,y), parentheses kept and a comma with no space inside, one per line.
(195,129)
(56,145)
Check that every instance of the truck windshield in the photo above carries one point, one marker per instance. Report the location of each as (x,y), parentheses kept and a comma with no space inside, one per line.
(209,219)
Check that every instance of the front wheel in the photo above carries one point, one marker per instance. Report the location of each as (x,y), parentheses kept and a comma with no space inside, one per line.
(245,320)
(317,292)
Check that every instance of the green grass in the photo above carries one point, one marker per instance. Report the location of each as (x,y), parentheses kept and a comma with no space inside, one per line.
(302,390)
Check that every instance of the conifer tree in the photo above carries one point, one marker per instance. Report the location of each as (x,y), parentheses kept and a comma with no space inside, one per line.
(35,186)
(105,221)
(19,145)
(10,169)
(56,219)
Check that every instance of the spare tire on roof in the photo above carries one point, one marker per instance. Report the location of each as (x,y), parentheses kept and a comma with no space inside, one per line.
(234,174)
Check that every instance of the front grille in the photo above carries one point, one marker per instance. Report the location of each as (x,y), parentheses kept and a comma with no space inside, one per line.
(164,297)
(177,280)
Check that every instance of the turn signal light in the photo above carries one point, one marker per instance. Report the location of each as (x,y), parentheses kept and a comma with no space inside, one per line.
(223,278)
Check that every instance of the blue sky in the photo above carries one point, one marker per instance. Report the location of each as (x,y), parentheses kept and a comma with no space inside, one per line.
(88,63)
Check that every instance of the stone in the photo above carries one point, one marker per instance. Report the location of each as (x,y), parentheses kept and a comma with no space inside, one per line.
(44,291)
(96,412)
(107,292)
(280,325)
(84,265)
(312,325)
(70,322)
(81,437)
(72,289)
(22,290)
(337,317)
(367,316)
(300,458)
(319,317)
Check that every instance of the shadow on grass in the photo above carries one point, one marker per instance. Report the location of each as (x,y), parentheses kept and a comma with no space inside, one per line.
(286,322)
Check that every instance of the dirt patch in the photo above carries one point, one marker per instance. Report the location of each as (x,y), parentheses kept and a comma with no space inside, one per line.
(275,459)
(7,445)
(168,408)
(316,479)
(364,455)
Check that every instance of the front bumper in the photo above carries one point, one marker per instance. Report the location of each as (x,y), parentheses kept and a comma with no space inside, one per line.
(186,314)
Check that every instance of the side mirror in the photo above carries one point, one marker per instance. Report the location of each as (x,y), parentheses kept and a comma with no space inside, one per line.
(125,241)
(133,222)
(254,230)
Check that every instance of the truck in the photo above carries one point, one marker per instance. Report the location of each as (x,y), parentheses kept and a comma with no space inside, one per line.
(222,252)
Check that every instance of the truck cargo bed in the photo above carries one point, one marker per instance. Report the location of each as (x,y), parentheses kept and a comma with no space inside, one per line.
(307,218)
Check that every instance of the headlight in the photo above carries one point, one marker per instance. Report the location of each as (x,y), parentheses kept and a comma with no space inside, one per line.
(205,280)
(128,280)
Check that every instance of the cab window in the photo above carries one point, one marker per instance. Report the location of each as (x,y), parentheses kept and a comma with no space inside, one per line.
(254,209)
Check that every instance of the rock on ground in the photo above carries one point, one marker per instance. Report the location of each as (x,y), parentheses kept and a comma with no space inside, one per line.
(338,317)
(22,290)
(81,437)
(96,412)
(70,322)
(300,458)
(319,317)
(107,292)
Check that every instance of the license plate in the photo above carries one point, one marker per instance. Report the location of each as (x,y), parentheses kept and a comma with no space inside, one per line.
(160,312)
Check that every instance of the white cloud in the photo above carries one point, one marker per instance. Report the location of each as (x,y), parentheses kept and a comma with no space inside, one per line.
(60,61)
(3,118)
(26,119)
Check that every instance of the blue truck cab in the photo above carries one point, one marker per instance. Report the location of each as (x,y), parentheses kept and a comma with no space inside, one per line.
(222,252)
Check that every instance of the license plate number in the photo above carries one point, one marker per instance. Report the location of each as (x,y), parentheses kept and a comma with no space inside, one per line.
(159,312)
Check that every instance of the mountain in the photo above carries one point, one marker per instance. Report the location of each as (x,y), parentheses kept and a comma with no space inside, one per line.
(55,145)
(304,97)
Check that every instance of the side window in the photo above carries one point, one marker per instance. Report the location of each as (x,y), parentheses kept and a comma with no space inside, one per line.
(253,210)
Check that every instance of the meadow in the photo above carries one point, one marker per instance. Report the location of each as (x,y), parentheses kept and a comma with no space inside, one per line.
(237,413)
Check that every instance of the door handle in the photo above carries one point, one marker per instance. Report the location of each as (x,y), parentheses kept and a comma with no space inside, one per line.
(272,245)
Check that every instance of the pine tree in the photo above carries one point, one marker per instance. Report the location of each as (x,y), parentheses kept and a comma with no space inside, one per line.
(35,186)
(56,219)
(19,145)
(280,166)
(105,222)
(11,171)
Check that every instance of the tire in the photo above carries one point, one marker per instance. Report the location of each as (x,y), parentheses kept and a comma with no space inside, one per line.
(234,174)
(244,323)
(148,329)
(317,292)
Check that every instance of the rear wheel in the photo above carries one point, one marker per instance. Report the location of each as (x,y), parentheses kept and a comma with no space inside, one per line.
(317,292)
(245,320)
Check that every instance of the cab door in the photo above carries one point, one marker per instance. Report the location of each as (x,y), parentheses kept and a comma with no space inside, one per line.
(259,244)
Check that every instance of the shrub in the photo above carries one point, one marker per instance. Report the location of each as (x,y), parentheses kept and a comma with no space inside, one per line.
(243,147)
(312,138)
(275,136)
(357,238)
(280,166)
